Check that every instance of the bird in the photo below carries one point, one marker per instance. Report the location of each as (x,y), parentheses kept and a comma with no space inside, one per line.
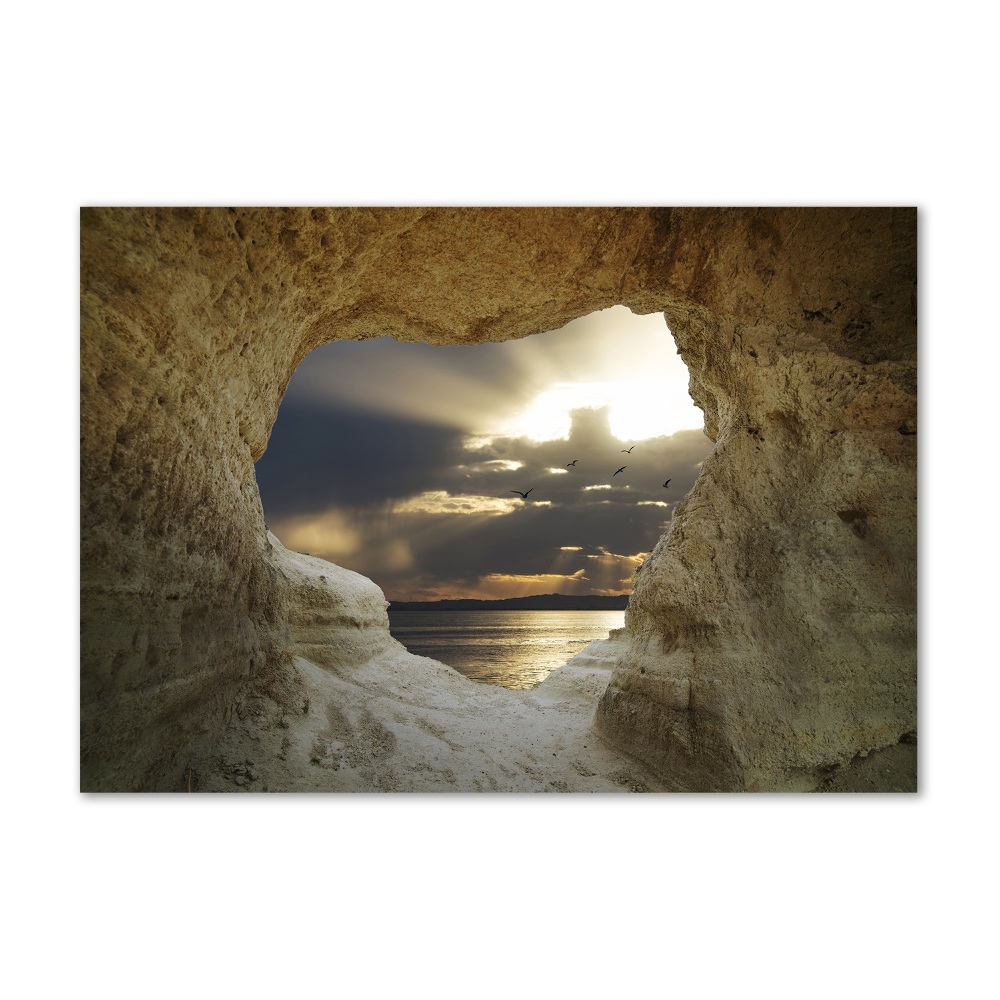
(523,496)
(667,483)
(627,451)
(622,469)
(575,460)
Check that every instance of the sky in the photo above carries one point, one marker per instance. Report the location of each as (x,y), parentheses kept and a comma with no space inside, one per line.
(401,461)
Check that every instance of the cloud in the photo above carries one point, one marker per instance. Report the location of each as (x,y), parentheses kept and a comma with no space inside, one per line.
(500,585)
(318,456)
(441,502)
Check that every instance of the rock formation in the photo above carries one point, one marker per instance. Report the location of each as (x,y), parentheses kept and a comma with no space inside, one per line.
(771,637)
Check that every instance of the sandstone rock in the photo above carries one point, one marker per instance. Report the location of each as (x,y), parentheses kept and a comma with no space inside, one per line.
(771,637)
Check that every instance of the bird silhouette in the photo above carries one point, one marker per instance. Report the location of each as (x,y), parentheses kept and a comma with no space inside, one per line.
(575,460)
(628,451)
(523,496)
(622,469)
(667,483)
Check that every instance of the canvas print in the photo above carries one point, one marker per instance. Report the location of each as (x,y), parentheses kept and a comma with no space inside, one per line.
(481,500)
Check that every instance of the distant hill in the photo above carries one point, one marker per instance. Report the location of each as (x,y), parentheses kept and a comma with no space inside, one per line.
(540,602)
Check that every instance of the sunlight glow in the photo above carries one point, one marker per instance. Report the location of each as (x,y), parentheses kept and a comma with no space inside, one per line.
(527,387)
(477,442)
(580,574)
(333,536)
(330,534)
(523,584)
(440,502)
(635,371)
(494,464)
(640,409)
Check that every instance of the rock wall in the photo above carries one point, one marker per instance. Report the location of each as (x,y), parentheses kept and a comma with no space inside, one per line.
(773,629)
(771,637)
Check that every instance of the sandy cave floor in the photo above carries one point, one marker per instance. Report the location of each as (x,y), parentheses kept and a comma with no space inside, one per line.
(405,723)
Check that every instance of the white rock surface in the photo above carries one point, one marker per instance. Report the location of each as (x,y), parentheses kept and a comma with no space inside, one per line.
(374,717)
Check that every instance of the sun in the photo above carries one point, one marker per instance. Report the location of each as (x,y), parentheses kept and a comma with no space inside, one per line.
(640,408)
(647,393)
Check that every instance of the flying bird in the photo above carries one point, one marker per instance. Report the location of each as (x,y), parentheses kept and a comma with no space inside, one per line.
(622,469)
(667,483)
(575,460)
(628,451)
(523,496)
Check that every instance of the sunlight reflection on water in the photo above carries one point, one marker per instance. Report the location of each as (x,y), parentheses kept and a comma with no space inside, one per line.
(512,649)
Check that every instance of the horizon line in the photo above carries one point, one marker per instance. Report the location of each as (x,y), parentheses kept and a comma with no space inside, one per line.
(516,597)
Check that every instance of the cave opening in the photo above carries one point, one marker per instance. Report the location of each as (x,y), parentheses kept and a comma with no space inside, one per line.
(406,462)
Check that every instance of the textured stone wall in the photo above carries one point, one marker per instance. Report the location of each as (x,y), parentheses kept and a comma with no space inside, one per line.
(773,629)
(772,633)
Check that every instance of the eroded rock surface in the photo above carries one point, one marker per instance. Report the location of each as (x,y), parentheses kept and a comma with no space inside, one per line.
(771,638)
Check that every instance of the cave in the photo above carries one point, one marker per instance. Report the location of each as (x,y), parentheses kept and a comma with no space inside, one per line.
(770,641)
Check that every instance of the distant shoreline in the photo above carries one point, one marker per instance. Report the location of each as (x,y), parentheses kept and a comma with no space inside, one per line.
(540,602)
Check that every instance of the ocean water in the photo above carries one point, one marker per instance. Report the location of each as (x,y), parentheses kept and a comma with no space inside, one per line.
(512,649)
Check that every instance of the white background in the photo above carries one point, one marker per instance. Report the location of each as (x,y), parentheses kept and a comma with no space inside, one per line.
(462,896)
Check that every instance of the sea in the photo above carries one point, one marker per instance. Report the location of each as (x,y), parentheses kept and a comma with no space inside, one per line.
(511,649)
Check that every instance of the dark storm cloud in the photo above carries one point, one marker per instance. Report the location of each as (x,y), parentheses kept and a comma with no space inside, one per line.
(319,456)
(530,541)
